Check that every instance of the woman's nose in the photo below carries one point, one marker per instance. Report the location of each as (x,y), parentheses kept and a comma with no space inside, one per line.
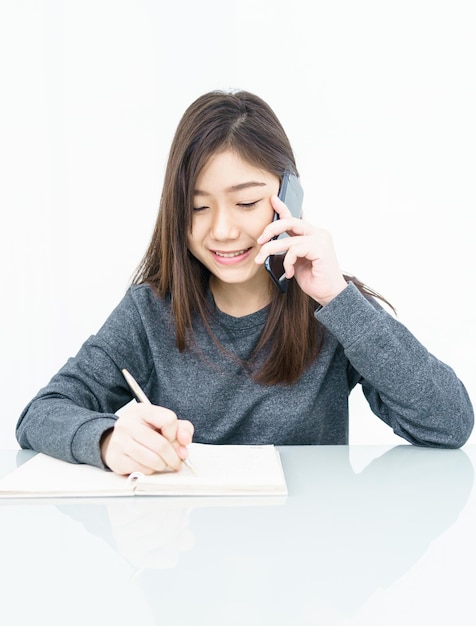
(223,225)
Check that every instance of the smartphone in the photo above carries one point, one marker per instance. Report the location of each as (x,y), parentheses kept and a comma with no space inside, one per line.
(291,193)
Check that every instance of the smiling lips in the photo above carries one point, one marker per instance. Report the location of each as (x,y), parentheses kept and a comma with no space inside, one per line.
(228,258)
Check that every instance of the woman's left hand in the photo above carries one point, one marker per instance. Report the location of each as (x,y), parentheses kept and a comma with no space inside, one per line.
(310,255)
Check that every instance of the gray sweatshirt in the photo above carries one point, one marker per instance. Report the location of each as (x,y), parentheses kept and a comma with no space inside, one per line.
(417,395)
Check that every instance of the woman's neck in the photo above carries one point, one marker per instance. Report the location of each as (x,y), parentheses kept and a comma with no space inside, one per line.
(240,300)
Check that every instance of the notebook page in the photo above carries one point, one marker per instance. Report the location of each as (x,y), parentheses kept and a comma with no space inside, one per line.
(222,470)
(45,476)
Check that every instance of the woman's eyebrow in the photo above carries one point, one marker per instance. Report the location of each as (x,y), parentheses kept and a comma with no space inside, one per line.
(233,188)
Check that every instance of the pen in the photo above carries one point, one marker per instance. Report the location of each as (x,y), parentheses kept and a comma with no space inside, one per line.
(141,397)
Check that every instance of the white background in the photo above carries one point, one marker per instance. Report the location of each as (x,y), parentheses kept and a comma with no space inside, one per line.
(378,99)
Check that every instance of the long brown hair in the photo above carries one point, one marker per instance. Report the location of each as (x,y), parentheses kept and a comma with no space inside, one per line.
(243,122)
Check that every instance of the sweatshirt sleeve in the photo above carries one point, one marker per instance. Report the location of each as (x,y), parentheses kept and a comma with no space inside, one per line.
(68,417)
(420,397)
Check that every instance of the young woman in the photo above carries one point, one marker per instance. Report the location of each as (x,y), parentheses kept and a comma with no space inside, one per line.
(223,355)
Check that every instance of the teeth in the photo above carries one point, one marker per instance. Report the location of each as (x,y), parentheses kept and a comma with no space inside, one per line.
(230,255)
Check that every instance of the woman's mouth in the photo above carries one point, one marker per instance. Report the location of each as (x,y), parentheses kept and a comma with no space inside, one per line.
(230,257)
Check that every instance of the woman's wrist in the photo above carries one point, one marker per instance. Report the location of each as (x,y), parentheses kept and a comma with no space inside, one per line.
(339,288)
(104,444)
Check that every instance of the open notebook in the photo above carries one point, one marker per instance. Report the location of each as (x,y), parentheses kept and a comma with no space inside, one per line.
(218,471)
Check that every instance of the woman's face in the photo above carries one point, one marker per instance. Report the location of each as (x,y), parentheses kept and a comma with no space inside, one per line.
(231,208)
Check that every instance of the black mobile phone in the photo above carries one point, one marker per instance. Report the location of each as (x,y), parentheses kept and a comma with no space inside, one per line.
(291,193)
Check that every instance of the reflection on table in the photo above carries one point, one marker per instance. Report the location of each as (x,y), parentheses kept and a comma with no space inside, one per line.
(324,552)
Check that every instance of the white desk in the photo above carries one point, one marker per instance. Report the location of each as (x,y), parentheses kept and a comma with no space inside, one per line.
(368,535)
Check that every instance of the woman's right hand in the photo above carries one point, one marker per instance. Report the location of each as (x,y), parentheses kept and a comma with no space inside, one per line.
(146,438)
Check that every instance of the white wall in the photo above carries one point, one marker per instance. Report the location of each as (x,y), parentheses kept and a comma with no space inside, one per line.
(378,99)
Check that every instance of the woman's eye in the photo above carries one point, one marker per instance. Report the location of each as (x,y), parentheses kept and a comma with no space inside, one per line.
(199,208)
(248,205)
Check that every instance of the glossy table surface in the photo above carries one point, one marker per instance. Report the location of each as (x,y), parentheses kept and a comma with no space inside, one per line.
(367,535)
